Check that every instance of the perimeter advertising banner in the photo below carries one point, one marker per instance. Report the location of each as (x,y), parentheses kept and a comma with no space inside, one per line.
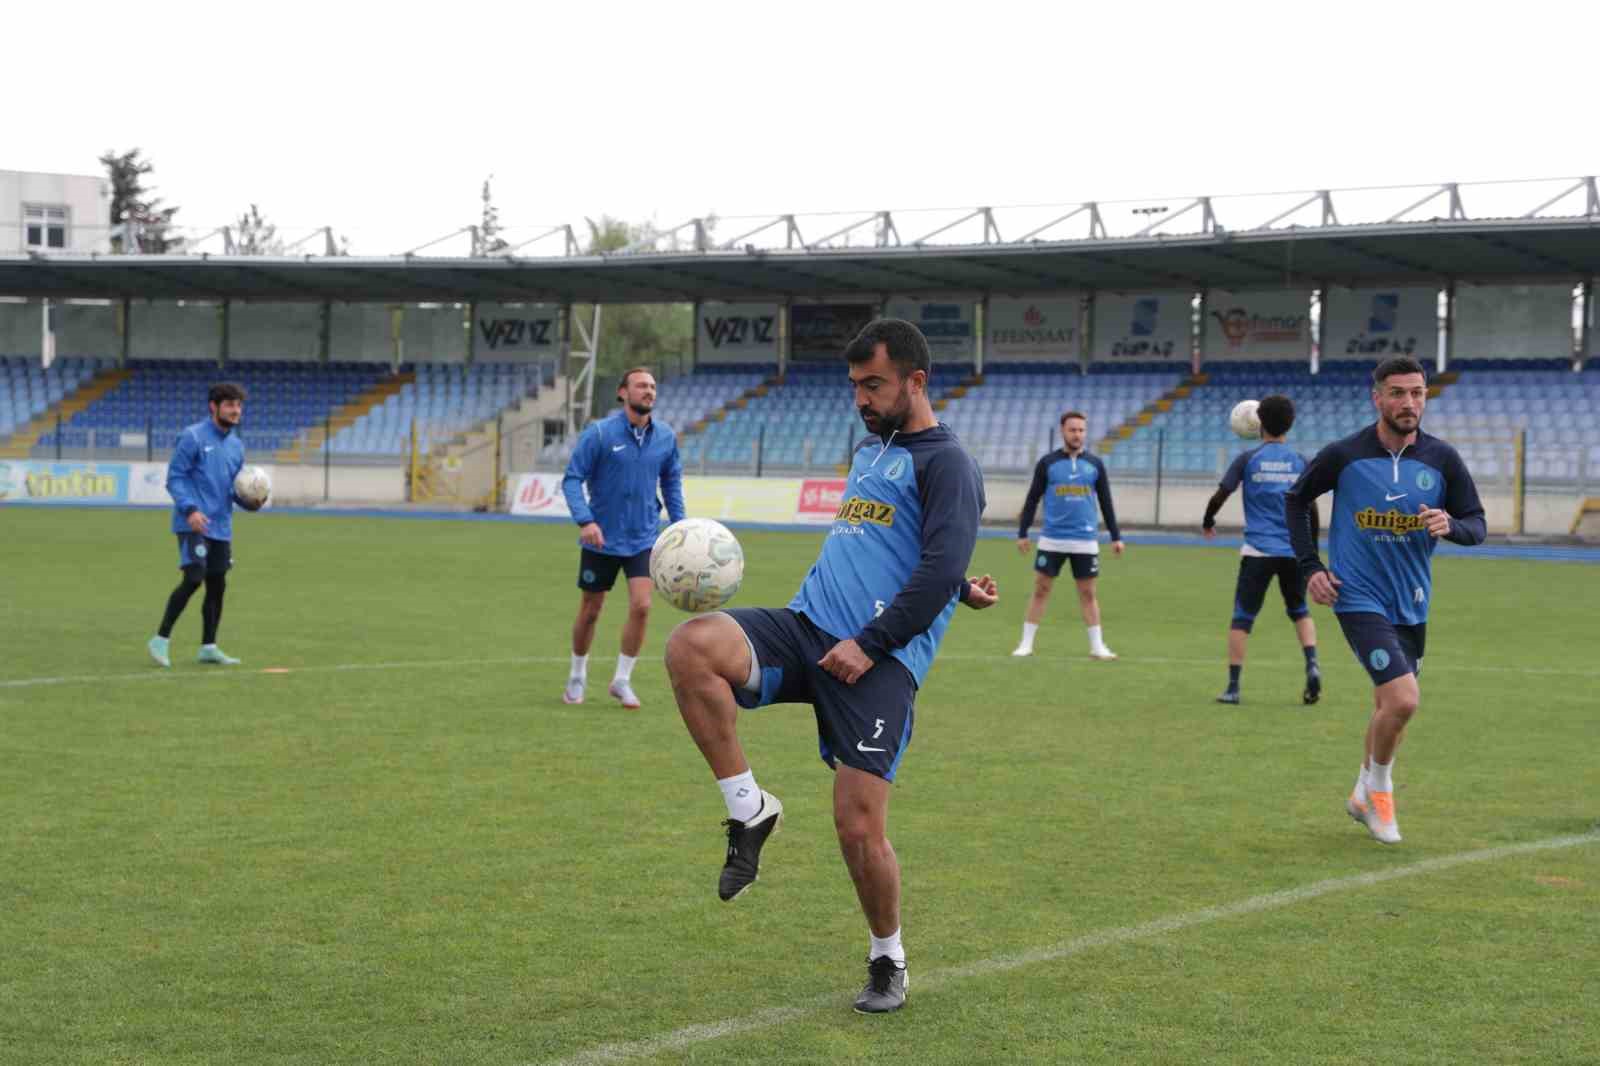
(1141,327)
(1033,330)
(1258,325)
(949,325)
(1379,323)
(738,333)
(81,483)
(819,332)
(1512,322)
(812,501)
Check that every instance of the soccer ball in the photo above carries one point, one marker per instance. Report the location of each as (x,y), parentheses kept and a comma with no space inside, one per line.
(253,485)
(1244,420)
(697,564)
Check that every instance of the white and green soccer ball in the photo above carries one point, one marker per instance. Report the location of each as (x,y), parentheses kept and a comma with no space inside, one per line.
(697,564)
(1244,419)
(252,484)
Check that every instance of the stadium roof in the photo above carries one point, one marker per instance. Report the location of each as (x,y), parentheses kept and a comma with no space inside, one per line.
(1530,246)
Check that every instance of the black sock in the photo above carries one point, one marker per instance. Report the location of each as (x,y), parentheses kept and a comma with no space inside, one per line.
(211,609)
(1233,677)
(1311,655)
(175,605)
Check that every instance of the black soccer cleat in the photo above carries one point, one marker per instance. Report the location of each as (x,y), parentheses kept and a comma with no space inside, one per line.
(1230,696)
(886,987)
(1313,691)
(744,847)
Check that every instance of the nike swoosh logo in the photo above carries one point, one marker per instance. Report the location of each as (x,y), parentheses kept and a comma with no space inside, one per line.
(861,746)
(618,447)
(1390,499)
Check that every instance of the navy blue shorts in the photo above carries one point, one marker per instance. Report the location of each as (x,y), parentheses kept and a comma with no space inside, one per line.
(197,549)
(1384,649)
(597,572)
(1255,575)
(1083,564)
(866,725)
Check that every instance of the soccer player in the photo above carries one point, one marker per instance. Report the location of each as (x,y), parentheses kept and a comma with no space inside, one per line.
(1396,491)
(621,459)
(209,455)
(1266,472)
(1072,480)
(856,641)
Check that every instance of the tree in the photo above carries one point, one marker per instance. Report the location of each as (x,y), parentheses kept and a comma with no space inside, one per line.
(487,241)
(254,235)
(145,224)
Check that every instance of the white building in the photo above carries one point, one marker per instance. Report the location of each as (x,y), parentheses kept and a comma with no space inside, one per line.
(54,213)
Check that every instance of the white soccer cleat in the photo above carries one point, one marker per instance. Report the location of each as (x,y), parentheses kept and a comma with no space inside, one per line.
(622,692)
(574,691)
(1022,651)
(1379,818)
(1103,653)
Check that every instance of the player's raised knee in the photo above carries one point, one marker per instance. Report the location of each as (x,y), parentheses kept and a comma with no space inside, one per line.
(703,645)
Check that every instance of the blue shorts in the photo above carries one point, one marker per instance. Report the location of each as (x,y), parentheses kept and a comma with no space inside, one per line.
(597,571)
(866,725)
(1385,650)
(197,549)
(1255,575)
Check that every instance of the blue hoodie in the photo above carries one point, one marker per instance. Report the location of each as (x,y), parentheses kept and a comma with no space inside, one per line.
(622,466)
(200,478)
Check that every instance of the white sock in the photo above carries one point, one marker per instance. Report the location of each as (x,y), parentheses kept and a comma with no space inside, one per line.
(1096,642)
(1378,779)
(1361,783)
(1028,632)
(887,945)
(580,668)
(741,795)
(625,667)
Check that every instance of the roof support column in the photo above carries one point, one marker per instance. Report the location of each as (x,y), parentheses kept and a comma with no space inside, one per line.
(125,331)
(325,332)
(225,318)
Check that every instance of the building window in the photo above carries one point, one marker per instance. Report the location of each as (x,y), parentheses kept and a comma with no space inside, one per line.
(46,226)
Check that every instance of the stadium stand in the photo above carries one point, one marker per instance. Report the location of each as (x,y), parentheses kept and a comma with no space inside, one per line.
(29,395)
(440,399)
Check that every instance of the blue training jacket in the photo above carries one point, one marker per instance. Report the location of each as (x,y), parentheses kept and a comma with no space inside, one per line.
(1266,472)
(621,467)
(200,478)
(1076,493)
(895,560)
(1378,546)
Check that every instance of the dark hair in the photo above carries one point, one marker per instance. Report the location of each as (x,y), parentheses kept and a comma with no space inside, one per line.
(1276,414)
(908,348)
(1400,364)
(1073,414)
(626,374)
(225,390)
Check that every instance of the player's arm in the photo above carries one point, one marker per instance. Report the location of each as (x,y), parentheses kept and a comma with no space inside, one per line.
(1225,488)
(951,491)
(1102,492)
(579,469)
(672,484)
(181,472)
(1320,476)
(1030,505)
(1468,525)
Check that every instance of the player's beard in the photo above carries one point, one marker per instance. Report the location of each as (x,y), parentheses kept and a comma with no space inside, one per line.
(1393,425)
(887,424)
(640,409)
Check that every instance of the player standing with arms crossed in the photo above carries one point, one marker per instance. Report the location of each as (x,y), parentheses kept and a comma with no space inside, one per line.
(1396,492)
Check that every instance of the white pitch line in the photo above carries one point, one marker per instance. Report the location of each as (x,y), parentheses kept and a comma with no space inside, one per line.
(679,1039)
(1143,660)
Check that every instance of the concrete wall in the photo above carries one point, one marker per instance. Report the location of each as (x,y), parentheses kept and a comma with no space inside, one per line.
(86,198)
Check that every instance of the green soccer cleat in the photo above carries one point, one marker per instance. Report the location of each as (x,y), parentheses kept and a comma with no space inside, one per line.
(210,653)
(158,651)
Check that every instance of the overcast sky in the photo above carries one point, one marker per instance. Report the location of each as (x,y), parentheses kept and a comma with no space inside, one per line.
(383,120)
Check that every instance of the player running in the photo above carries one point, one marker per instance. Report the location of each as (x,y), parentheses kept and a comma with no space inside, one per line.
(856,641)
(1077,493)
(1396,491)
(1266,472)
(208,456)
(620,459)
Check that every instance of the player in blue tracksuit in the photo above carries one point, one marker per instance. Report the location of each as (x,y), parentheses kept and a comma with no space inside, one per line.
(856,641)
(1396,491)
(1266,472)
(208,456)
(621,459)
(1076,492)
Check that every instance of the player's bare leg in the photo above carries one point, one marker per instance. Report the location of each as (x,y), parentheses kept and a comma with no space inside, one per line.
(621,689)
(860,818)
(1306,630)
(706,658)
(1042,584)
(1395,703)
(1089,607)
(1237,640)
(589,605)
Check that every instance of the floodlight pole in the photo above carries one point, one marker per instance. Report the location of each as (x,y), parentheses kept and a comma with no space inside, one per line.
(580,387)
